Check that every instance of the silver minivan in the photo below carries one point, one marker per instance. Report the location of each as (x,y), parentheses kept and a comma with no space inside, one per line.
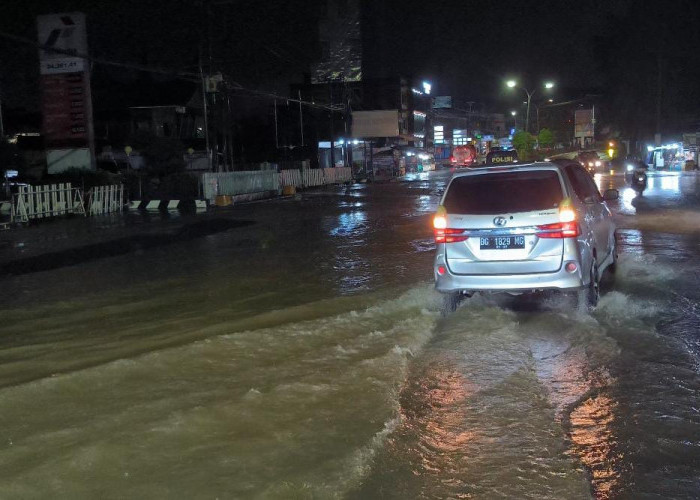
(525,228)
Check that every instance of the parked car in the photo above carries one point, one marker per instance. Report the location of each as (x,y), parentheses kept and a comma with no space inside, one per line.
(521,229)
(501,157)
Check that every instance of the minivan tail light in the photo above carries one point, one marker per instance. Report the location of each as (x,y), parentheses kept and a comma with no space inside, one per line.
(448,235)
(439,222)
(567,215)
(559,230)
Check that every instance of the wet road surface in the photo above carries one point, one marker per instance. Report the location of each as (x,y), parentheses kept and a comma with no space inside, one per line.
(303,356)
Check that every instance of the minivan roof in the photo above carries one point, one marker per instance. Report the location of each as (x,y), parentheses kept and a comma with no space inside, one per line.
(542,165)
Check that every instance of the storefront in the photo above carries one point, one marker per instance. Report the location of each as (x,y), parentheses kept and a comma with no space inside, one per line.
(671,156)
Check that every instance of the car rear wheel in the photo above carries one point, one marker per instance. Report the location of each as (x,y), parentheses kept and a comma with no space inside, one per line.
(587,298)
(450,301)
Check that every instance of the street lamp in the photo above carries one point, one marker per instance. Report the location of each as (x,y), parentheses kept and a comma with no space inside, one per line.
(515,124)
(512,84)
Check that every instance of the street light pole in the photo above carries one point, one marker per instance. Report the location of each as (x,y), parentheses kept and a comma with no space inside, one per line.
(2,127)
(527,117)
(513,83)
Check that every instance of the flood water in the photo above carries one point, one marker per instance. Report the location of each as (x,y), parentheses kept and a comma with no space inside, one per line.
(304,356)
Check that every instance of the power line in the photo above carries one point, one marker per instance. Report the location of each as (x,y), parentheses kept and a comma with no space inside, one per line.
(26,41)
(183,75)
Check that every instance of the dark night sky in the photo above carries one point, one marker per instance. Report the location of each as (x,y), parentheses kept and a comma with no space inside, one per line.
(623,49)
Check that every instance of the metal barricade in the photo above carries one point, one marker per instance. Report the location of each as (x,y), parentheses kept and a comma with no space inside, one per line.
(105,199)
(52,200)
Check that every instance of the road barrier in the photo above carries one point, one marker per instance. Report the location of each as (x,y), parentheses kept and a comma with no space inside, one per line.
(311,177)
(337,175)
(105,199)
(239,183)
(291,178)
(36,202)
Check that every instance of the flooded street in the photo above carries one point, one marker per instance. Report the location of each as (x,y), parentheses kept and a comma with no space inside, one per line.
(302,354)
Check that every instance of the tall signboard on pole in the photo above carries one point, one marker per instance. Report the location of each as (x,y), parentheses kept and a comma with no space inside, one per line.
(66,102)
(584,127)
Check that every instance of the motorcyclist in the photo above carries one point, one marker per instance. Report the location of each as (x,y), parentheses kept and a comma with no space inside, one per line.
(636,174)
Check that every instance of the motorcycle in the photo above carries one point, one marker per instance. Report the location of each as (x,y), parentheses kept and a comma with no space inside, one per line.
(636,176)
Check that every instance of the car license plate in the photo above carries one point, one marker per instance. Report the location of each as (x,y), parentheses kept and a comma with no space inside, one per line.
(502,242)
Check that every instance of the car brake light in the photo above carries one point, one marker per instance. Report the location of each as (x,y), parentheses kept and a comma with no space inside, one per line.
(448,235)
(559,230)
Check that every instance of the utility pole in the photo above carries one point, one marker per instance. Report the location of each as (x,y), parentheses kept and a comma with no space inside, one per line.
(301,120)
(347,117)
(469,117)
(330,88)
(659,95)
(229,129)
(206,118)
(277,141)
(2,127)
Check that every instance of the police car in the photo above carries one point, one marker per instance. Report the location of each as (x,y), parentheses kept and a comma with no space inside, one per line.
(501,157)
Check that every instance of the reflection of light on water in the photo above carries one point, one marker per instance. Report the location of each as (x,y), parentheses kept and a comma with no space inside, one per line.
(595,442)
(604,182)
(437,418)
(350,223)
(667,182)
(420,176)
(598,179)
(356,204)
(626,196)
(426,203)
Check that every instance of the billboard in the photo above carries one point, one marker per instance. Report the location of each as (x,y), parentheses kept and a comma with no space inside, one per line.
(583,123)
(368,124)
(62,37)
(66,102)
(442,102)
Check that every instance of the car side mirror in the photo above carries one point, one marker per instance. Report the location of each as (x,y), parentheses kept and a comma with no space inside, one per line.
(611,194)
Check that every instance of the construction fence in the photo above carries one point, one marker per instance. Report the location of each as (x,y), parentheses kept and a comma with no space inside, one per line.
(250,182)
(54,200)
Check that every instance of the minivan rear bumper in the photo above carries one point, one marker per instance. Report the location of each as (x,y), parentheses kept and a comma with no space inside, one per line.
(559,280)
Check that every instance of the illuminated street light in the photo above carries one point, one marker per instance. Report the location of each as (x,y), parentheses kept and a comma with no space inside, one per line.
(515,124)
(512,84)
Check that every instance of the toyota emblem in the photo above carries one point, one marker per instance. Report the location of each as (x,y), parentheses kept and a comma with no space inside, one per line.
(499,221)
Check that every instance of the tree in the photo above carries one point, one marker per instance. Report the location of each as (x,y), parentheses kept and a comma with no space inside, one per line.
(524,143)
(10,157)
(545,138)
(163,155)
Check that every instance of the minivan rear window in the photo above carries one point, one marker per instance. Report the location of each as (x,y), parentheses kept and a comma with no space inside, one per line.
(504,192)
